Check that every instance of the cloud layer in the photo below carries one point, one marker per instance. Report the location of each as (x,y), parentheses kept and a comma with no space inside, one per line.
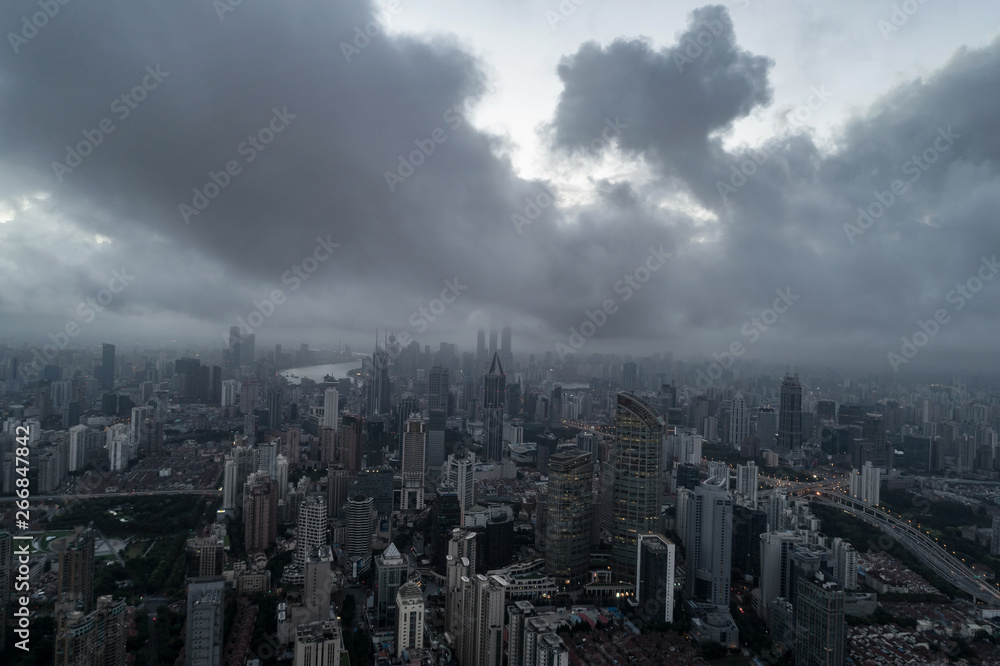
(202,94)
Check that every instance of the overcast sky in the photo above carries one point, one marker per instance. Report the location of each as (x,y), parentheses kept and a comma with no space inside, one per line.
(638,117)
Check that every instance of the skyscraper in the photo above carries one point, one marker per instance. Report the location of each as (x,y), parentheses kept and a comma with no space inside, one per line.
(569,507)
(410,619)
(739,421)
(379,390)
(873,431)
(819,622)
(767,428)
(75,587)
(118,447)
(98,637)
(746,484)
(506,353)
(709,543)
(107,378)
(203,639)
(360,528)
(438,388)
(790,414)
(349,443)
(260,511)
(436,423)
(460,475)
(865,485)
(481,642)
(654,587)
(636,486)
(312,526)
(413,459)
(331,408)
(390,574)
(494,400)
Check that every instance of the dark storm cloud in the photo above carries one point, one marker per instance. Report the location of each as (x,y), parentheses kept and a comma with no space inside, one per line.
(790,218)
(397,105)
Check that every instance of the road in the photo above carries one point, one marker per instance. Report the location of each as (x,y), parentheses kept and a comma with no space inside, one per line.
(945,564)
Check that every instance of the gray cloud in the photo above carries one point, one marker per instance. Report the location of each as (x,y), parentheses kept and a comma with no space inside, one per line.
(324,174)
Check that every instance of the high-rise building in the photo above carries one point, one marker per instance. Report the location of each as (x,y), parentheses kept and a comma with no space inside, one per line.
(275,405)
(776,549)
(746,484)
(318,579)
(739,421)
(494,402)
(569,507)
(845,564)
(379,390)
(205,555)
(77,448)
(438,388)
(708,542)
(338,480)
(349,443)
(318,644)
(790,414)
(413,458)
(873,431)
(506,353)
(654,578)
(481,640)
(230,392)
(75,587)
(767,428)
(312,528)
(98,637)
(820,629)
(460,566)
(636,493)
(410,619)
(390,574)
(748,525)
(118,438)
(436,422)
(481,357)
(630,376)
(204,636)
(267,458)
(865,485)
(459,474)
(107,378)
(260,511)
(331,408)
(360,527)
